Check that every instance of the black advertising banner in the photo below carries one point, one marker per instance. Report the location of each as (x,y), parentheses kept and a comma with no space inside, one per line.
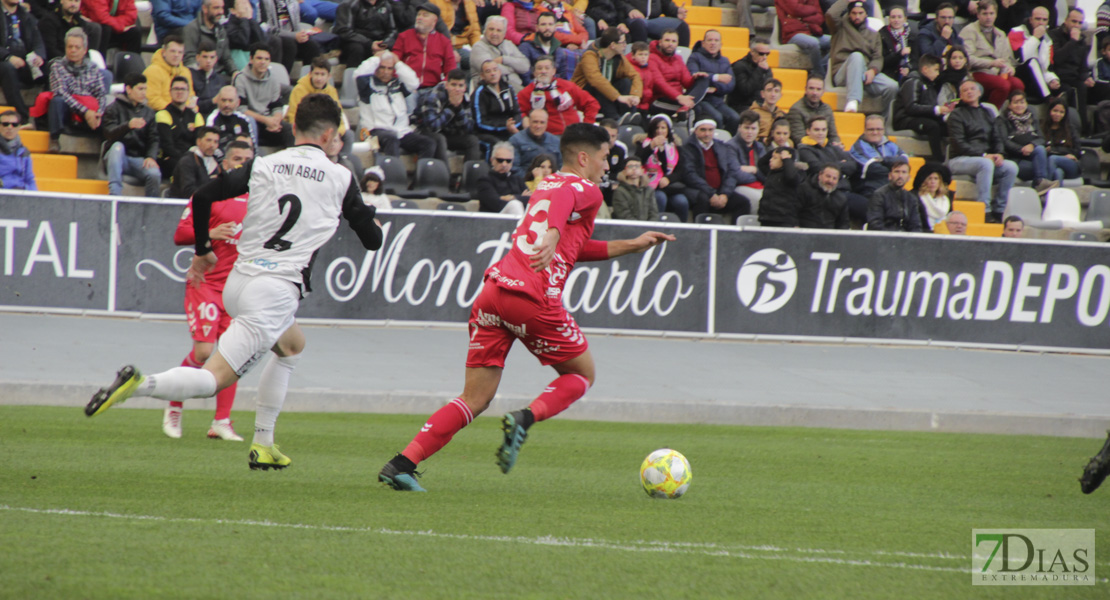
(54,253)
(430,268)
(151,275)
(912,287)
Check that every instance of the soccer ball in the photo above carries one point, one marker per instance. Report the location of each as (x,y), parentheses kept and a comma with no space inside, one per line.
(665,473)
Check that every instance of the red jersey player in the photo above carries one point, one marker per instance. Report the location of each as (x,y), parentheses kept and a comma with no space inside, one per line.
(522,299)
(204,305)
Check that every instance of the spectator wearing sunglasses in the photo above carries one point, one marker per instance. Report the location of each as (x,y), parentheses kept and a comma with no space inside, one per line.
(500,190)
(15,158)
(750,74)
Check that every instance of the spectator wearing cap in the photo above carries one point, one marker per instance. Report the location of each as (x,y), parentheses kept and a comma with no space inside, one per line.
(930,185)
(428,52)
(712,173)
(856,55)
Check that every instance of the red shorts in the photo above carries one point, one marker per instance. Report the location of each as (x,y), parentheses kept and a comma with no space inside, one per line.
(499,316)
(204,308)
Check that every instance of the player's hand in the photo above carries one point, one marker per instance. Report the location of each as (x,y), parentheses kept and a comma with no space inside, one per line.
(651,239)
(223,231)
(200,265)
(545,250)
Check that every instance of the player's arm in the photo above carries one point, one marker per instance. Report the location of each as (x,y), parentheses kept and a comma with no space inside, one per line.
(361,218)
(183,236)
(598,250)
(229,184)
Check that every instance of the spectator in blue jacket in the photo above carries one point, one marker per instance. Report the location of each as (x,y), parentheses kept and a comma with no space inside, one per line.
(171,16)
(533,141)
(544,43)
(749,181)
(15,158)
(875,155)
(706,58)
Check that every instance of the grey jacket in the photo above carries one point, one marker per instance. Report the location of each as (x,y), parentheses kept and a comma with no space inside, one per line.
(263,95)
(847,39)
(194,32)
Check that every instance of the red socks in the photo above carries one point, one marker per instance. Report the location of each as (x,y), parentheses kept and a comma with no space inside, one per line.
(558,396)
(225,398)
(440,428)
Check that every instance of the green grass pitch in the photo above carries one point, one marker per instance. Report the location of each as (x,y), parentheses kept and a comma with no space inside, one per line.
(110,508)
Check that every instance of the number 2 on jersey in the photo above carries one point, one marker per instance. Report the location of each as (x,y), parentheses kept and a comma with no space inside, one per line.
(276,242)
(536,226)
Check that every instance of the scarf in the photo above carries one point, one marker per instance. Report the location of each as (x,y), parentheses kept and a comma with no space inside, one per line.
(661,162)
(1023,124)
(556,9)
(901,40)
(528,6)
(11,148)
(542,94)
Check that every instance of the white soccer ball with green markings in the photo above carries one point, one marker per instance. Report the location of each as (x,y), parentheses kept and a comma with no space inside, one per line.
(665,473)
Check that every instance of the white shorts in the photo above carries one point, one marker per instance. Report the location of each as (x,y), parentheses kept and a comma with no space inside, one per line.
(263,307)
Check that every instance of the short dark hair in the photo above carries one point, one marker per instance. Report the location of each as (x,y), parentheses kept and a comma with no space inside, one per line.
(204,130)
(779,122)
(456,75)
(640,47)
(988,4)
(749,116)
(633,159)
(133,79)
(833,166)
(928,60)
(544,58)
(760,40)
(896,7)
(666,31)
(546,14)
(172,39)
(1016,94)
(11,113)
(948,5)
(609,37)
(239,145)
(259,46)
(815,118)
(578,137)
(899,162)
(772,81)
(179,78)
(1009,219)
(316,113)
(207,45)
(321,62)
(609,123)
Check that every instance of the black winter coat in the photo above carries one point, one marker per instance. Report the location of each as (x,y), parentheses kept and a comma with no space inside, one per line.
(893,209)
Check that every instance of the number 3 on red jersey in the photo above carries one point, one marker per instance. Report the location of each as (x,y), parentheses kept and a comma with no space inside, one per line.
(534,225)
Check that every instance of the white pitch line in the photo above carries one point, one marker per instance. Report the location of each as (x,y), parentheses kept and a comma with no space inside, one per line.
(707,549)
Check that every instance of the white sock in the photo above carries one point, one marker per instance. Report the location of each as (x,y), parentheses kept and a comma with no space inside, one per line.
(177,384)
(272,386)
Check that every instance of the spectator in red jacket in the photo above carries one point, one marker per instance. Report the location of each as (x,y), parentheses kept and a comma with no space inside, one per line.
(560,98)
(117,23)
(802,23)
(664,55)
(430,53)
(655,86)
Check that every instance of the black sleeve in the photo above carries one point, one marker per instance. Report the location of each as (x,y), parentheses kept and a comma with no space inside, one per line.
(360,217)
(228,185)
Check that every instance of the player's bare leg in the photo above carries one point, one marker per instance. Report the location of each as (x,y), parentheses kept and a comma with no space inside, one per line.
(576,376)
(272,387)
(478,391)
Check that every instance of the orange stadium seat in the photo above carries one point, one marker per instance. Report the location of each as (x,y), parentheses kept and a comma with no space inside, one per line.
(704,15)
(35,141)
(976,212)
(850,124)
(916,162)
(792,79)
(731,37)
(54,166)
(984,229)
(73,186)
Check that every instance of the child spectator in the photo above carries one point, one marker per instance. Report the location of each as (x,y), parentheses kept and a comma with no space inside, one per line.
(634,199)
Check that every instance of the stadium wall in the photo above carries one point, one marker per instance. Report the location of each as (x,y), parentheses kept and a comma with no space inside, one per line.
(105,255)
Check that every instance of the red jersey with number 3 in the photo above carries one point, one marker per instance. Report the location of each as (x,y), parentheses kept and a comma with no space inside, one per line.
(562,201)
(228,211)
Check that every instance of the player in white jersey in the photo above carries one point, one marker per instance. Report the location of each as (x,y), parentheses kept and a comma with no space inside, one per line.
(296,198)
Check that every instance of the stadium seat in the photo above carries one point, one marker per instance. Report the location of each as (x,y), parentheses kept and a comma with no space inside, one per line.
(627,132)
(941,227)
(792,79)
(56,166)
(684,53)
(1092,169)
(433,176)
(984,229)
(396,179)
(473,171)
(457,206)
(1098,211)
(668,217)
(38,142)
(1082,236)
(348,92)
(1025,203)
(704,15)
(709,219)
(404,204)
(731,37)
(748,221)
(849,124)
(125,63)
(73,186)
(916,162)
(1062,206)
(976,211)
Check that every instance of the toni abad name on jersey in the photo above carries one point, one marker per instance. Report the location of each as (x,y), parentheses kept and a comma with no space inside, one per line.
(299,171)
